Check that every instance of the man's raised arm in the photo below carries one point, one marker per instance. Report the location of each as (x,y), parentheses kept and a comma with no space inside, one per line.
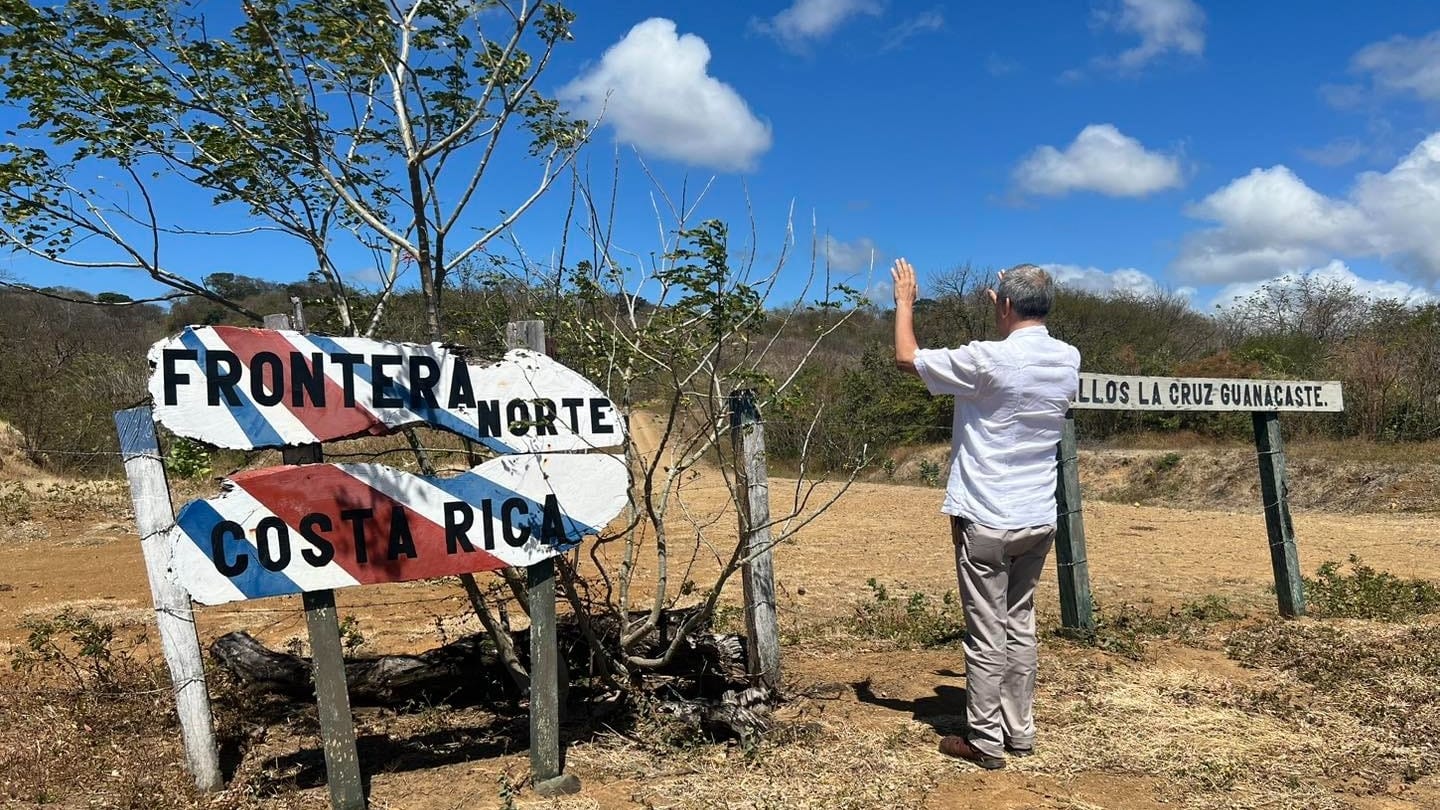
(906,291)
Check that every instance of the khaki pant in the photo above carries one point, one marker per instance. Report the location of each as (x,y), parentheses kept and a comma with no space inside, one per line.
(998,570)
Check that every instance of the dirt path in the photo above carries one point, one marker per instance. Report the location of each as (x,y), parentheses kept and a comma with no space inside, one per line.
(889,532)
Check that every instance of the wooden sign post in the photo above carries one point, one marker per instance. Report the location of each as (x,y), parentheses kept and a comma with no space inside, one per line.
(332,695)
(1072,565)
(1275,496)
(762,623)
(309,527)
(174,615)
(545,664)
(1265,399)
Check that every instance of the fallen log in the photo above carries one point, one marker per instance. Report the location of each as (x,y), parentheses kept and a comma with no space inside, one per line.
(703,685)
(464,668)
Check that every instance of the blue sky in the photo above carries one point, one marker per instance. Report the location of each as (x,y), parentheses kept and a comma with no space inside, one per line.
(1204,147)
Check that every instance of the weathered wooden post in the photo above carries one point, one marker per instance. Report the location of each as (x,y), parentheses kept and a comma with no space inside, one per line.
(1275,496)
(1077,607)
(174,615)
(546,671)
(332,695)
(762,626)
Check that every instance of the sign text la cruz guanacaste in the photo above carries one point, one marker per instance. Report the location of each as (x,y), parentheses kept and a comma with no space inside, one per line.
(1125,393)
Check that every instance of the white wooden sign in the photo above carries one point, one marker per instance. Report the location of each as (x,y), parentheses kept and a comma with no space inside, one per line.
(1125,393)
(250,388)
(312,527)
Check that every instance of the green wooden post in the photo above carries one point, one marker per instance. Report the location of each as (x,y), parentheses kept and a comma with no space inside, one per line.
(337,725)
(1275,495)
(327,654)
(548,675)
(1077,607)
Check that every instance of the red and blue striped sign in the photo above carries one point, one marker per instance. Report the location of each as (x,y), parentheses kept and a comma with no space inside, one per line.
(252,388)
(284,530)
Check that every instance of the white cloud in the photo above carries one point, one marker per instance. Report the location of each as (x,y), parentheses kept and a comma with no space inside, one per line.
(1335,272)
(1270,222)
(1403,65)
(1163,26)
(1127,281)
(924,22)
(1101,159)
(811,20)
(652,87)
(859,254)
(1273,204)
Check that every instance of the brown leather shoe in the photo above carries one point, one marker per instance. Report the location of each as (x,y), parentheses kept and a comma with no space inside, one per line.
(960,748)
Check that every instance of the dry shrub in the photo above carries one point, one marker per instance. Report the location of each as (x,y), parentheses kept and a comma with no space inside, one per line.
(1329,708)
(1365,593)
(1129,630)
(89,718)
(914,620)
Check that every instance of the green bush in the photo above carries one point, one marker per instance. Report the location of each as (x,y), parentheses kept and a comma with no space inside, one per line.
(917,620)
(929,473)
(1129,629)
(1365,593)
(79,648)
(14,502)
(187,459)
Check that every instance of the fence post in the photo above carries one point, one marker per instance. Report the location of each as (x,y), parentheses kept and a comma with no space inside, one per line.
(747,436)
(174,614)
(1275,496)
(1072,565)
(332,694)
(546,668)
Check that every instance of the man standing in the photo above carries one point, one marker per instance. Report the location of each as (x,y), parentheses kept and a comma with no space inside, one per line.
(1011,396)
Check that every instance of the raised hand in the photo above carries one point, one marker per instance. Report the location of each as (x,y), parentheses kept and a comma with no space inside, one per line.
(906,289)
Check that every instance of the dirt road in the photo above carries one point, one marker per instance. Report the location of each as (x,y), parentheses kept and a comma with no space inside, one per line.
(83,555)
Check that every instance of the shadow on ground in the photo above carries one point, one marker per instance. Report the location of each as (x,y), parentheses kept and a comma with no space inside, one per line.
(943,711)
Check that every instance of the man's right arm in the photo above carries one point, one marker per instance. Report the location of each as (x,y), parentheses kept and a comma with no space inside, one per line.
(906,290)
(954,372)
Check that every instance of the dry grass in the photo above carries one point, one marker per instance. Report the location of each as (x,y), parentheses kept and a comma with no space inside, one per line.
(1202,734)
(1206,479)
(89,722)
(1321,715)
(805,765)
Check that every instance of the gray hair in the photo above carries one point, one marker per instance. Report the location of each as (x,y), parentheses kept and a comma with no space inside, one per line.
(1030,290)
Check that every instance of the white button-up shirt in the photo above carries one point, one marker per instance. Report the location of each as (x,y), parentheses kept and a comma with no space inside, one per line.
(1011,397)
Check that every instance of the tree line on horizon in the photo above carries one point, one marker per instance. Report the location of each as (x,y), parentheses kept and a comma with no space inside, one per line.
(69,365)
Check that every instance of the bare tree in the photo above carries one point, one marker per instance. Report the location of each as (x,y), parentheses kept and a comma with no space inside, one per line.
(670,334)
